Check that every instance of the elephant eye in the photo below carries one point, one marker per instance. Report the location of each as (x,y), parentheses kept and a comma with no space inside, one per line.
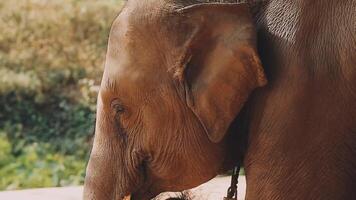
(117,107)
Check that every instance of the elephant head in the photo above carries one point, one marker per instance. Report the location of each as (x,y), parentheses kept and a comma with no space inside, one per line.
(175,78)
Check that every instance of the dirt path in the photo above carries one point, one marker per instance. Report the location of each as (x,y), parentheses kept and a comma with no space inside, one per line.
(213,190)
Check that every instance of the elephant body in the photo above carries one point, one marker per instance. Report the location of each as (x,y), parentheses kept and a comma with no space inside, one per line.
(184,96)
(302,125)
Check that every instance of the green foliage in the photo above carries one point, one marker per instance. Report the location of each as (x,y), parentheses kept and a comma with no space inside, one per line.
(37,166)
(51,53)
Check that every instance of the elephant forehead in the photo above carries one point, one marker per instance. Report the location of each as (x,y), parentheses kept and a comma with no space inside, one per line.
(135,59)
(132,49)
(130,63)
(125,76)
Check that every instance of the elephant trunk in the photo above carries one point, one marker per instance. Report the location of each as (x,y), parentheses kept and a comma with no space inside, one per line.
(107,174)
(111,174)
(101,181)
(107,178)
(113,171)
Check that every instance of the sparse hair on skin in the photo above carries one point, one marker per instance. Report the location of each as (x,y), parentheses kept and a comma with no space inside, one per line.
(183,196)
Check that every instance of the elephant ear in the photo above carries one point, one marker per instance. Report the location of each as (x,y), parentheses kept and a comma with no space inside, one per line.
(219,65)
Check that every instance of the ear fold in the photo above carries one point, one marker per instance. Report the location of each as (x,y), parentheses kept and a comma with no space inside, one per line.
(221,66)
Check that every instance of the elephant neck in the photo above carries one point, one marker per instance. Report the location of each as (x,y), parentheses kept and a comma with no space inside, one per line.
(303,123)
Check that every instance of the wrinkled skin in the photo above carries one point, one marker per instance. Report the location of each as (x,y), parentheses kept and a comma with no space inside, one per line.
(162,119)
(302,125)
(168,121)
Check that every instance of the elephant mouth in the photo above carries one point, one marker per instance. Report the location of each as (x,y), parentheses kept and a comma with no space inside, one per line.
(140,196)
(143,190)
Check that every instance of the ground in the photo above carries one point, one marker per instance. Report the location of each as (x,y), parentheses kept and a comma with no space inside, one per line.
(213,190)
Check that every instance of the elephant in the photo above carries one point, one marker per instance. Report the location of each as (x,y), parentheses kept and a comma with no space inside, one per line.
(189,89)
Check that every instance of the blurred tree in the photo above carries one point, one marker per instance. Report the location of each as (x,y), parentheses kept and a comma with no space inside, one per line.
(51,58)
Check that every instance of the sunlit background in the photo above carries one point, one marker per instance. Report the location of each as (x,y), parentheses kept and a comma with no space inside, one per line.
(51,60)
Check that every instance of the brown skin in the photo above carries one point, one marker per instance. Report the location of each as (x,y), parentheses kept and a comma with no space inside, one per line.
(168,97)
(171,134)
(302,135)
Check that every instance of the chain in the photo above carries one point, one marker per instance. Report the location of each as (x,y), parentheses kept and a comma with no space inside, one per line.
(232,191)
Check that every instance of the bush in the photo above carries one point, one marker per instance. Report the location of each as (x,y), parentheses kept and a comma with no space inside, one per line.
(37,166)
(51,57)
